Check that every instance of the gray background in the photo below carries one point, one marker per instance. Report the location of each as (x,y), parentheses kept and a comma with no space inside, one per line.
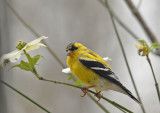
(87,22)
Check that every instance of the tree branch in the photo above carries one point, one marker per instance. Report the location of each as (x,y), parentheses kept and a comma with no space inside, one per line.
(123,52)
(155,80)
(142,22)
(125,27)
(25,96)
(82,88)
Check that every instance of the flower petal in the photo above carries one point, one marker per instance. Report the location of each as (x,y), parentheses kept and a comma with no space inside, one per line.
(107,59)
(36,41)
(10,57)
(33,47)
(66,70)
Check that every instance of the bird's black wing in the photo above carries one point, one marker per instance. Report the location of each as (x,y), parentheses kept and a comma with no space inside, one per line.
(106,73)
(100,69)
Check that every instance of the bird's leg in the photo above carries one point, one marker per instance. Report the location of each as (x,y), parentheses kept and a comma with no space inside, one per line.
(98,95)
(86,88)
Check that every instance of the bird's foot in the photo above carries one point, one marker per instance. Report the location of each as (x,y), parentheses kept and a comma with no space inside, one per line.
(86,88)
(98,95)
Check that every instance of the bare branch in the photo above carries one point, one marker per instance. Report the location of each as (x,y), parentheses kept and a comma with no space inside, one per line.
(142,23)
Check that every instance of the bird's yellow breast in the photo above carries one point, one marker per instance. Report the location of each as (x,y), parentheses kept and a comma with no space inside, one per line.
(82,73)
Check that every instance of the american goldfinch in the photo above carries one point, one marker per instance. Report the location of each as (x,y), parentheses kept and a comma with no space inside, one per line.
(91,69)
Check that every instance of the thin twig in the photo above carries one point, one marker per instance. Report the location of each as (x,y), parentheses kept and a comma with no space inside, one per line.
(125,58)
(104,109)
(142,22)
(82,88)
(22,20)
(119,21)
(99,104)
(125,26)
(22,94)
(155,80)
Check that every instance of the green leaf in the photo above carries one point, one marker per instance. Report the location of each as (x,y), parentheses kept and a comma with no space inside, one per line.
(71,77)
(23,65)
(78,82)
(142,41)
(29,58)
(153,46)
(35,59)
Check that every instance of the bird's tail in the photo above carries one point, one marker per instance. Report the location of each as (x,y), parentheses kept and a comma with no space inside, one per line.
(127,92)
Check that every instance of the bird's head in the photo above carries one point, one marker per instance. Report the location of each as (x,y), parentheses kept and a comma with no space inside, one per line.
(73,48)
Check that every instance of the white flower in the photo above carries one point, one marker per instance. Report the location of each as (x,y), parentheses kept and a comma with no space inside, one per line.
(15,55)
(35,44)
(67,70)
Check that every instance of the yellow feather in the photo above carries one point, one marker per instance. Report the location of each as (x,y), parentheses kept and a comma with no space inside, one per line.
(81,72)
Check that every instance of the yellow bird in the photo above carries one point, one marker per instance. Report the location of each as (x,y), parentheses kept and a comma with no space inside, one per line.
(91,69)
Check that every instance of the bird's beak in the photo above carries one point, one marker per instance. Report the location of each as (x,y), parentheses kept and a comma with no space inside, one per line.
(69,53)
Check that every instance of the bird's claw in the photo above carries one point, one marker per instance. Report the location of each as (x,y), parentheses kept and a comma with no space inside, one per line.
(98,95)
(86,88)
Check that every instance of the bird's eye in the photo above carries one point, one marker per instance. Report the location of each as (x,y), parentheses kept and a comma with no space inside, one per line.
(73,48)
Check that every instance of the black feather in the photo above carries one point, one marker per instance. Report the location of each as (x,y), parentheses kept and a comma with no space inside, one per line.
(71,47)
(107,74)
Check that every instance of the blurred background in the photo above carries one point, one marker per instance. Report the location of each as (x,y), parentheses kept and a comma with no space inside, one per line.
(87,22)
